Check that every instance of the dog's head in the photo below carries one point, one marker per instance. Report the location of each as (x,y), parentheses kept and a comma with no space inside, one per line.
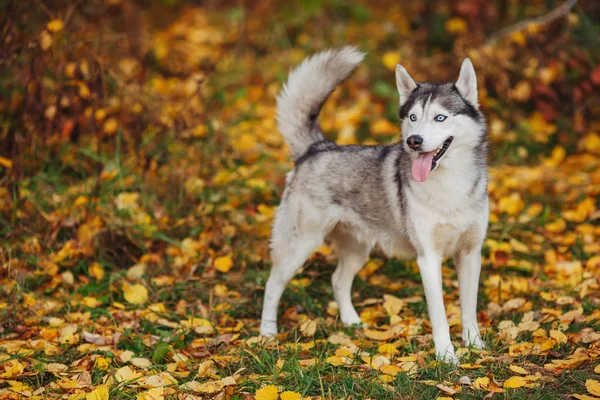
(438,119)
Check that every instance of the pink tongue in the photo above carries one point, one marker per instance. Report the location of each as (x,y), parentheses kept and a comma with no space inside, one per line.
(421,167)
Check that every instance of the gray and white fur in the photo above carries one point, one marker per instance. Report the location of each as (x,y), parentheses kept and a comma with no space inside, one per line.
(424,197)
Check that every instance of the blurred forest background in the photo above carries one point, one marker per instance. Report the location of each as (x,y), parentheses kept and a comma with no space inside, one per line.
(140,167)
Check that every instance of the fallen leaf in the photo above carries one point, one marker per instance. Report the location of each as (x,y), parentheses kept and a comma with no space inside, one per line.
(55,26)
(99,393)
(593,386)
(514,382)
(287,395)
(392,305)
(446,389)
(518,370)
(268,392)
(135,294)
(223,264)
(308,327)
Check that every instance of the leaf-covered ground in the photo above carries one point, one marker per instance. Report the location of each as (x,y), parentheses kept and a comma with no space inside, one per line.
(140,166)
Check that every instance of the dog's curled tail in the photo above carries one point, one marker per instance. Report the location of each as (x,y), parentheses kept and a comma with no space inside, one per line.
(306,90)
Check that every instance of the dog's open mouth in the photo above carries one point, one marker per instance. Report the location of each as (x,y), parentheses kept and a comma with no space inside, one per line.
(427,161)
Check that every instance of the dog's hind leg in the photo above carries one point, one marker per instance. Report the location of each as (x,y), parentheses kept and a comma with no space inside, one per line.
(352,256)
(290,247)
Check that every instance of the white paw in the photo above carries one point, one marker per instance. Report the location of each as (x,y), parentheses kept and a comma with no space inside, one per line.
(444,351)
(448,356)
(473,339)
(476,343)
(268,329)
(351,319)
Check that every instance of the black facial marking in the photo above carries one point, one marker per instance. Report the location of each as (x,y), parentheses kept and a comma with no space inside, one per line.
(444,93)
(408,104)
(468,109)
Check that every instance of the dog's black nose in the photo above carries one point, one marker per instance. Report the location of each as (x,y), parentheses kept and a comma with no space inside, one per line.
(414,141)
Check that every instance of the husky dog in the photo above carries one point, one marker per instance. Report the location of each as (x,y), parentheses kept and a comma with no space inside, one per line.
(424,197)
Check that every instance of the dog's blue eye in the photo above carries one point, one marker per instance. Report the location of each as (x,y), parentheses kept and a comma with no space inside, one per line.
(440,118)
(413,117)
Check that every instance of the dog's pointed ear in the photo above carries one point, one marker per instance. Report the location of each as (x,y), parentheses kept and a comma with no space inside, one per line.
(404,82)
(467,82)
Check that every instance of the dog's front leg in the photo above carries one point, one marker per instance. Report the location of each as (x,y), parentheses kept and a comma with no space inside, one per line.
(430,265)
(468,269)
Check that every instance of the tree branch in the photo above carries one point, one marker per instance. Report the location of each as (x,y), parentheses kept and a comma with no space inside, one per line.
(537,21)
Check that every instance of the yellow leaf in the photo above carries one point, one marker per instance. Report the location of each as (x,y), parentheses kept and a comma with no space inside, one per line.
(268,392)
(521,91)
(110,126)
(392,305)
(389,348)
(308,327)
(102,363)
(56,25)
(21,388)
(557,226)
(84,90)
(558,336)
(370,268)
(95,270)
(407,359)
(511,205)
(514,382)
(206,387)
(141,362)
(135,294)
(518,370)
(256,183)
(591,143)
(382,126)
(136,272)
(11,368)
(126,374)
(5,162)
(456,25)
(45,43)
(245,143)
(471,366)
(390,59)
(383,336)
(157,393)
(55,368)
(597,369)
(335,361)
(446,389)
(90,302)
(584,397)
(593,387)
(287,395)
(200,325)
(100,393)
(390,369)
(481,383)
(374,362)
(301,283)
(223,263)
